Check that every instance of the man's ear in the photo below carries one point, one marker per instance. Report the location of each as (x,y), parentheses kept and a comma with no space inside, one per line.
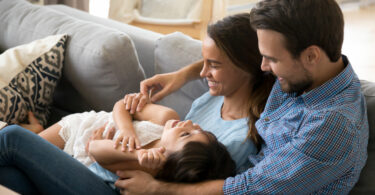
(312,55)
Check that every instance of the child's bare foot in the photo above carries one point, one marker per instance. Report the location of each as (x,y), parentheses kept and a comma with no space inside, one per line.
(34,124)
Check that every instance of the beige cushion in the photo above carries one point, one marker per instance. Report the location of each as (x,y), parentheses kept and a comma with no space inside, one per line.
(28,76)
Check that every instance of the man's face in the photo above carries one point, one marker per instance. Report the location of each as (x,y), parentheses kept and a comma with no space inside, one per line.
(290,72)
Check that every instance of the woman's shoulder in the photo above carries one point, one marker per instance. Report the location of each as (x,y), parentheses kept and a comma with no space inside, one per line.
(207,98)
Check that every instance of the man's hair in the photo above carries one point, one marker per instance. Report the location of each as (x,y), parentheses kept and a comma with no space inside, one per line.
(198,162)
(303,23)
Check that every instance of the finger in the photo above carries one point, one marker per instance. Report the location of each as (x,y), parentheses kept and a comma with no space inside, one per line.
(156,159)
(131,144)
(144,159)
(125,99)
(126,174)
(140,155)
(146,85)
(101,129)
(125,144)
(161,149)
(159,95)
(117,142)
(150,158)
(142,102)
(137,143)
(134,104)
(110,133)
(129,101)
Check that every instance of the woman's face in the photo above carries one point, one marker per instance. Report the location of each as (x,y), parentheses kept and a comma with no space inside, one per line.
(224,78)
(178,133)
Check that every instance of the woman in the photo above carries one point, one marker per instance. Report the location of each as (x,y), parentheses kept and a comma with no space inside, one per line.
(238,89)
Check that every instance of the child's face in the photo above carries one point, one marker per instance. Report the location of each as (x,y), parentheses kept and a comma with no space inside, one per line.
(178,133)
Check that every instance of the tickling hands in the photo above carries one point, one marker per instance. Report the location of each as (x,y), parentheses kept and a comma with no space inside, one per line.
(151,158)
(129,140)
(161,85)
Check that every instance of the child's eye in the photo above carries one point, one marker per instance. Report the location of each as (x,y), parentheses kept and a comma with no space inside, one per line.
(185,134)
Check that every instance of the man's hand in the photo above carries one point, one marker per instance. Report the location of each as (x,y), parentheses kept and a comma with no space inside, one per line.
(136,182)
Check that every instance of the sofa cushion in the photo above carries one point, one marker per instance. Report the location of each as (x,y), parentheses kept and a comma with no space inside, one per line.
(368,89)
(366,183)
(101,64)
(144,40)
(173,52)
(28,76)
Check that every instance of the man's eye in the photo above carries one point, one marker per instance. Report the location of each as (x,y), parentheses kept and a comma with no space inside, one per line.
(185,134)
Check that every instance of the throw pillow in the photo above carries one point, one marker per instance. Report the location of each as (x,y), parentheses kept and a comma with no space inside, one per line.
(173,52)
(28,76)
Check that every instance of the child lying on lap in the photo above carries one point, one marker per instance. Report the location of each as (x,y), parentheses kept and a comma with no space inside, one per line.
(167,148)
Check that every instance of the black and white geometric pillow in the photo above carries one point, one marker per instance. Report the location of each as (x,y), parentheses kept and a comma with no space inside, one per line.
(31,88)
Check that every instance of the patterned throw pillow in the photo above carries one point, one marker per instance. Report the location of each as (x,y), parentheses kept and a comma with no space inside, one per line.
(28,76)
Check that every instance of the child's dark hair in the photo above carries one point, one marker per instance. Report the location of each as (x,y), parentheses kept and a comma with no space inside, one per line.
(198,162)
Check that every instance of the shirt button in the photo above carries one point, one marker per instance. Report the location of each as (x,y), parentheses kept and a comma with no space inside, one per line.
(267,119)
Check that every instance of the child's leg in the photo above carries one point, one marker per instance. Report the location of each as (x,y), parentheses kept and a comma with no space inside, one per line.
(51,134)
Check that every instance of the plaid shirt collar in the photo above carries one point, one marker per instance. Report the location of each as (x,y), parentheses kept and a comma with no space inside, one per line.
(331,87)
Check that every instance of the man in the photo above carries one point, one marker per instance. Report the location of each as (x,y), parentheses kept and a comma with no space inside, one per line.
(314,124)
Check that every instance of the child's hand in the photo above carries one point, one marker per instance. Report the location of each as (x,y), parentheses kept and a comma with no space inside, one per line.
(135,102)
(129,140)
(151,158)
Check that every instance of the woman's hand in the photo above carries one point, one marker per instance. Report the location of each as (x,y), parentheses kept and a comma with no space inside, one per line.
(128,139)
(162,85)
(135,102)
(33,125)
(151,158)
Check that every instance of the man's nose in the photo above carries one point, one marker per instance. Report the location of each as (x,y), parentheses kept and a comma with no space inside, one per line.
(265,65)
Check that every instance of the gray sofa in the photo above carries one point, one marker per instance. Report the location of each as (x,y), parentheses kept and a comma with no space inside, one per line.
(106,59)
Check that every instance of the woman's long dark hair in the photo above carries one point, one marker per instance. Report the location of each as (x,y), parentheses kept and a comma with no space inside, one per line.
(198,162)
(239,41)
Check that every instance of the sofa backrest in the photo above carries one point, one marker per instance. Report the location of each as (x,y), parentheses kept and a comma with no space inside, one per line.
(144,40)
(101,64)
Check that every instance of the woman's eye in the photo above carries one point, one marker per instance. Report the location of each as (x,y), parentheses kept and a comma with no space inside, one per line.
(184,134)
(213,66)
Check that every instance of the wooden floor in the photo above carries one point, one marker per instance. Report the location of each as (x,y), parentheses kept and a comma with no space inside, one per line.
(359,41)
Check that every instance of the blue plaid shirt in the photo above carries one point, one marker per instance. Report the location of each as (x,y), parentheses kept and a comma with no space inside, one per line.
(315,143)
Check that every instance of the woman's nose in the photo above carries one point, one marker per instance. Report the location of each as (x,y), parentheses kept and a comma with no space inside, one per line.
(204,71)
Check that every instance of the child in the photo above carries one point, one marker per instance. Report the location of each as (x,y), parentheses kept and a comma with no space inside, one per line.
(187,153)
